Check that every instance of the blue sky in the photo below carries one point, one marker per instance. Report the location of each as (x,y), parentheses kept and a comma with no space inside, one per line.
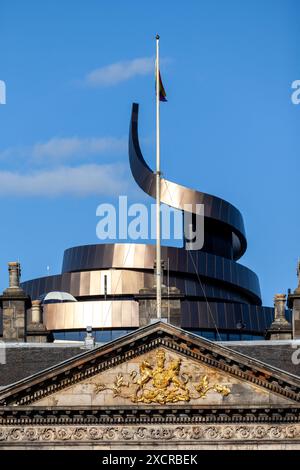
(72,70)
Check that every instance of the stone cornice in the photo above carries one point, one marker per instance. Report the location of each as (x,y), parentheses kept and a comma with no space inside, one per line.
(29,416)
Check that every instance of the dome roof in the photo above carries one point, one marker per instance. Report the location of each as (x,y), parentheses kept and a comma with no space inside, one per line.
(57,296)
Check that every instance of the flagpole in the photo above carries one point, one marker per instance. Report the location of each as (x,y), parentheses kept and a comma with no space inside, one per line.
(158,229)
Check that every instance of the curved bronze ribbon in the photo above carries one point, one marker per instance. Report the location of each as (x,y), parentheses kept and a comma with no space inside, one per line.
(178,196)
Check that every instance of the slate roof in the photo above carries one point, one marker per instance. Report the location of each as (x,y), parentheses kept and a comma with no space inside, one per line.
(23,360)
(280,354)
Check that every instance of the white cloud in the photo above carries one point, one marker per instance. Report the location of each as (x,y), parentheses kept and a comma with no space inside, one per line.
(84,180)
(119,72)
(74,146)
(63,148)
(46,173)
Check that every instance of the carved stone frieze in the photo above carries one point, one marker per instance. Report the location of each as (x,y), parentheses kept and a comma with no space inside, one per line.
(144,434)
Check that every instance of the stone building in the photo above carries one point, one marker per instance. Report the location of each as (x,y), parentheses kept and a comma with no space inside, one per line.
(156,385)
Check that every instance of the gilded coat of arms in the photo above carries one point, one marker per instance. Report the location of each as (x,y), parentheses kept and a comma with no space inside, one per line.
(161,383)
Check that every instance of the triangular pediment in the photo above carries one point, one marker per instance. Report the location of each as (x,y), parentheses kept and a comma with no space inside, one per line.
(156,366)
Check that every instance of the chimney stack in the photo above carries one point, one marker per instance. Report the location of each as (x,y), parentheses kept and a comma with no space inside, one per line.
(36,330)
(14,303)
(294,304)
(280,328)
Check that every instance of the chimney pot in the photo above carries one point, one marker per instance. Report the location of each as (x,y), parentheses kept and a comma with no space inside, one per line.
(14,271)
(36,311)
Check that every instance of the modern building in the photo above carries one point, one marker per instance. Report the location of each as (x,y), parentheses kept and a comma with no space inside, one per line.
(219,297)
